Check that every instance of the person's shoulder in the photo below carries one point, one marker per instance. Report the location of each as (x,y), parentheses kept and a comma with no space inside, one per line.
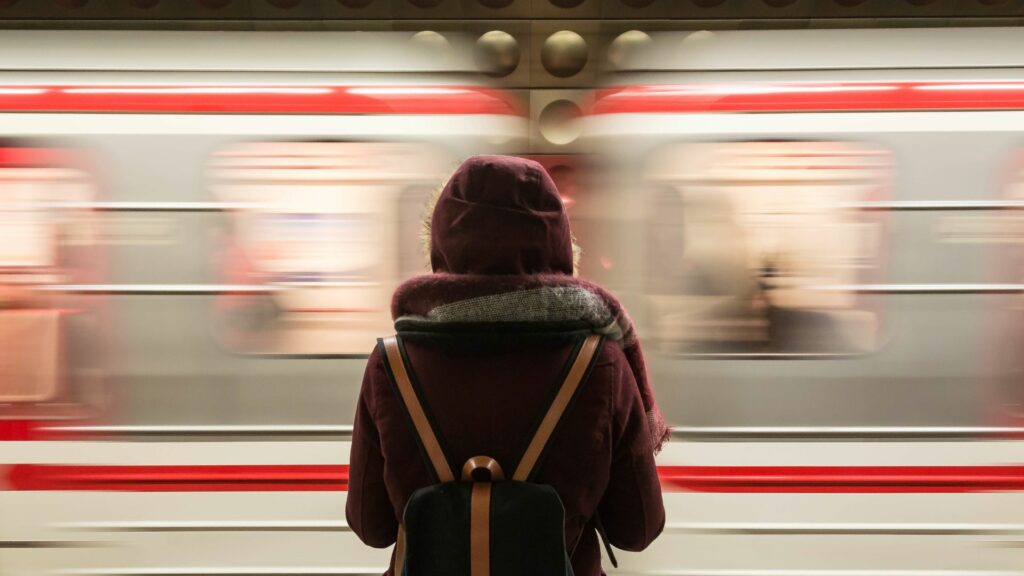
(374,358)
(610,369)
(374,373)
(611,355)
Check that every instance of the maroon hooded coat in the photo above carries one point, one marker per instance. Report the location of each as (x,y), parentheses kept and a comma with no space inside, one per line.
(488,373)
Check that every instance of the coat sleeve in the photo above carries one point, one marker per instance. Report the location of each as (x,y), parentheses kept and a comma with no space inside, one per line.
(368,509)
(631,510)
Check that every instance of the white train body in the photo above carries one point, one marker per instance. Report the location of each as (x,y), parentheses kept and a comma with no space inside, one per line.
(880,438)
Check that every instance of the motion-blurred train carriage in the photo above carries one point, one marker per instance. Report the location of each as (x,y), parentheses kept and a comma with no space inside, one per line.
(258,197)
(817,233)
(823,245)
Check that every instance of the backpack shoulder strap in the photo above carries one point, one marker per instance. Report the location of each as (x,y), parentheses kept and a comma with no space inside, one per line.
(395,362)
(584,356)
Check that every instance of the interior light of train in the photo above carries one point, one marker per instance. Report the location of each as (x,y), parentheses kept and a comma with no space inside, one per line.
(717,89)
(402,91)
(986,86)
(809,96)
(200,90)
(22,91)
(317,99)
(367,91)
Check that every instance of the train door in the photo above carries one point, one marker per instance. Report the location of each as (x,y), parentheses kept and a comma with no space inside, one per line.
(52,358)
(1003,230)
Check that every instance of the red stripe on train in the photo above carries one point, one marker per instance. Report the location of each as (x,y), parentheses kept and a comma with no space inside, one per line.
(734,479)
(809,97)
(217,478)
(851,479)
(15,430)
(40,157)
(395,99)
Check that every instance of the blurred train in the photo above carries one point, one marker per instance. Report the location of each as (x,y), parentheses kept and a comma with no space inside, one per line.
(218,221)
(818,233)
(823,231)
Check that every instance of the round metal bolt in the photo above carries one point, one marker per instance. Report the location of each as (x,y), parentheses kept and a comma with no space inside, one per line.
(559,122)
(433,42)
(497,53)
(625,46)
(564,53)
(698,38)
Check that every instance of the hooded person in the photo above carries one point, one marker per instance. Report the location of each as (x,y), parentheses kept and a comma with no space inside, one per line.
(488,335)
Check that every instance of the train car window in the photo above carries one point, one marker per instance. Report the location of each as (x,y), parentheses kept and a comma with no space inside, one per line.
(51,341)
(312,232)
(753,247)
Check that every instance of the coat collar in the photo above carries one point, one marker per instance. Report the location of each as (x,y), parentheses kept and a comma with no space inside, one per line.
(539,303)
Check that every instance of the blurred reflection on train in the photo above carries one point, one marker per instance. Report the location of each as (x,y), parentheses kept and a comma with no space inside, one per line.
(821,230)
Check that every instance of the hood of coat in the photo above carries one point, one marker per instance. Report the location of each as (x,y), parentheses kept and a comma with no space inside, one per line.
(499,215)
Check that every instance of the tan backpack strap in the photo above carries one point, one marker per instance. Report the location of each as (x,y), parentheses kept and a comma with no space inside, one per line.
(480,529)
(400,550)
(554,414)
(394,360)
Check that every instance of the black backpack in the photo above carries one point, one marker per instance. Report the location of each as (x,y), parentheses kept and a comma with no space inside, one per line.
(483,524)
